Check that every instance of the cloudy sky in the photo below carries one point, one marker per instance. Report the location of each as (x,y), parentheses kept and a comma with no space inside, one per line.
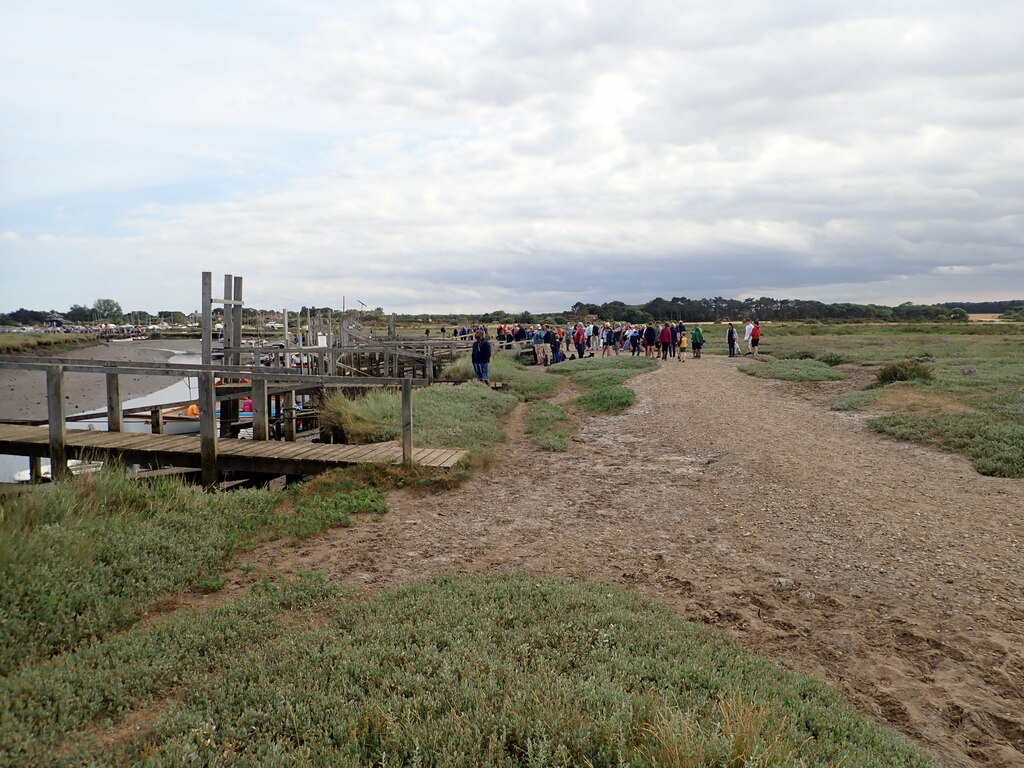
(457,155)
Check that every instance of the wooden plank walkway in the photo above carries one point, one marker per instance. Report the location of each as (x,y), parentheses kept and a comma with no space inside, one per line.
(270,457)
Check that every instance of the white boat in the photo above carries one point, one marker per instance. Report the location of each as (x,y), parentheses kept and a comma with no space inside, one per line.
(77,468)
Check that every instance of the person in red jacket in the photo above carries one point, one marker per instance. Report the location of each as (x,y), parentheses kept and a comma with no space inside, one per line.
(755,338)
(665,340)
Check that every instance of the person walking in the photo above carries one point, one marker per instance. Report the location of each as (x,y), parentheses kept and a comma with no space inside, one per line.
(481,357)
(749,329)
(755,338)
(730,338)
(634,342)
(697,340)
(682,346)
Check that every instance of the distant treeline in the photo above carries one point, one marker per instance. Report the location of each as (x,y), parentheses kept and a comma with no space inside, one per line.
(676,308)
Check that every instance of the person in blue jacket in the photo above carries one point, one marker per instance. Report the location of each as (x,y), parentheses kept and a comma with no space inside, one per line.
(481,356)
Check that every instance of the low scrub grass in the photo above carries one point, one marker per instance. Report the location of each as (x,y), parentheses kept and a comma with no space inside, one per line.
(467,416)
(461,671)
(86,557)
(849,401)
(995,445)
(522,381)
(611,399)
(604,376)
(793,370)
(549,426)
(28,343)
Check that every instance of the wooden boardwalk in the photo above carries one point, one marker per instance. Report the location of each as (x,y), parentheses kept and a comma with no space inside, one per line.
(268,457)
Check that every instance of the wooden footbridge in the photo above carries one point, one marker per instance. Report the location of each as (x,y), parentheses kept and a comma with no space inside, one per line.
(217,450)
(241,456)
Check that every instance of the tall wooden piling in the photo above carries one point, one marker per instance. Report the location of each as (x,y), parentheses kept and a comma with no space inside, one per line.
(260,411)
(56,414)
(407,420)
(115,421)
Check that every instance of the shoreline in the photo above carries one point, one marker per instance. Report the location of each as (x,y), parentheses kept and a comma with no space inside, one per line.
(23,393)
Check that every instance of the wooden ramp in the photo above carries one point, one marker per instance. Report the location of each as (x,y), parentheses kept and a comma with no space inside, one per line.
(270,457)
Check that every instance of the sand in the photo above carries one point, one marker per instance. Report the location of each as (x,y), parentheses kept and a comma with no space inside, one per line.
(890,570)
(23,393)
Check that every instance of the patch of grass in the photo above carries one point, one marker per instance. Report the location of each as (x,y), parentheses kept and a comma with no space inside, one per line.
(25,343)
(995,445)
(611,399)
(604,376)
(503,671)
(849,401)
(467,416)
(793,370)
(83,558)
(904,370)
(549,426)
(526,383)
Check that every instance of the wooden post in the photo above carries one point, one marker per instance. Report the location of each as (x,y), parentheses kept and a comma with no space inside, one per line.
(393,326)
(430,364)
(289,416)
(407,420)
(55,412)
(35,469)
(156,418)
(115,421)
(236,321)
(260,422)
(207,322)
(208,428)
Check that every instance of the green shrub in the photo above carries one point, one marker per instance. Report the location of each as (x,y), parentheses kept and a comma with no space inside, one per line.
(849,401)
(904,370)
(833,359)
(793,370)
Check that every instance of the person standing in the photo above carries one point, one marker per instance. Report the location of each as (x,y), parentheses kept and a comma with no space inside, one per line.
(540,346)
(650,339)
(697,340)
(665,340)
(755,338)
(747,331)
(481,357)
(731,337)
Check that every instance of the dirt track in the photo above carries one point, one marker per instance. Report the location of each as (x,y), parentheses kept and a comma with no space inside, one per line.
(892,571)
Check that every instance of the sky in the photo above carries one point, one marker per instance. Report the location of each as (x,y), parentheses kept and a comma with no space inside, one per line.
(458,156)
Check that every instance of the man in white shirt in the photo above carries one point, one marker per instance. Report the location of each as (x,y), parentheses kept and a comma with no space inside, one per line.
(749,329)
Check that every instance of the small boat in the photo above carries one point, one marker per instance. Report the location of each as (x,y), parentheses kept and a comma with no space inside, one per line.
(77,468)
(184,419)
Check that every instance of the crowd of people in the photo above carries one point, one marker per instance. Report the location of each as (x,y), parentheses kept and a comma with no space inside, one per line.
(554,343)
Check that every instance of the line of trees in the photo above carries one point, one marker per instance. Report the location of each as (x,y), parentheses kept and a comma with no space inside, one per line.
(660,309)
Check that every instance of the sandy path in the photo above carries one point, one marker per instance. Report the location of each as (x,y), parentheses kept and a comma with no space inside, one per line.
(892,571)
(23,393)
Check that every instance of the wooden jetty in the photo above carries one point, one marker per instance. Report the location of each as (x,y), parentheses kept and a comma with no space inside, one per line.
(355,359)
(233,455)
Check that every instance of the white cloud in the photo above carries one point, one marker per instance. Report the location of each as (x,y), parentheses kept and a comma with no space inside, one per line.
(452,154)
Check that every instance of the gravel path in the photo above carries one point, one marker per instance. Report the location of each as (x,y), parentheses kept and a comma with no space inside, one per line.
(890,570)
